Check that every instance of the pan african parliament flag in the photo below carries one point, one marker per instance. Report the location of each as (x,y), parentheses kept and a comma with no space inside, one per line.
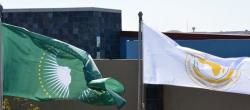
(168,63)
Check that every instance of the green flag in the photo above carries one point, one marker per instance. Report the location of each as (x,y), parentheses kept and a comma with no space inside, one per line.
(41,68)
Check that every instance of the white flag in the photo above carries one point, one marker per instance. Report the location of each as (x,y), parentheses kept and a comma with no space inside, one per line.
(166,62)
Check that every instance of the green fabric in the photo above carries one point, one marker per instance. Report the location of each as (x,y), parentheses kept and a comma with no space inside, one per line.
(41,68)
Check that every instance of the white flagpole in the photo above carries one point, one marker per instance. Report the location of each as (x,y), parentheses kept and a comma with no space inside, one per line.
(140,100)
(1,61)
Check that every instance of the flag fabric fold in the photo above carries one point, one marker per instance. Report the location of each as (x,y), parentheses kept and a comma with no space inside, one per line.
(41,68)
(166,62)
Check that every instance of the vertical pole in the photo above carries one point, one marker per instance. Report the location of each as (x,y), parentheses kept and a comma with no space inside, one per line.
(140,105)
(1,60)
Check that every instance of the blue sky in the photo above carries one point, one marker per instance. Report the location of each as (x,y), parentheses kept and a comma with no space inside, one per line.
(164,15)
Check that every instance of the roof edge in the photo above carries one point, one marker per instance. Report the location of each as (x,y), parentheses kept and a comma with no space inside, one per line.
(62,9)
(190,36)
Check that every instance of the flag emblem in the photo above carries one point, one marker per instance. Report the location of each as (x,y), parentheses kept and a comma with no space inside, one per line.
(211,74)
(54,78)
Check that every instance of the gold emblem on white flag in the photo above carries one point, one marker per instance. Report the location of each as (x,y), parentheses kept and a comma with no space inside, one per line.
(210,74)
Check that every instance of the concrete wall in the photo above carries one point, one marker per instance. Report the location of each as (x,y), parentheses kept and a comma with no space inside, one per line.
(126,72)
(180,98)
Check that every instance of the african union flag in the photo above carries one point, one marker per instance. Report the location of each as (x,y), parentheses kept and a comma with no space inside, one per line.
(41,68)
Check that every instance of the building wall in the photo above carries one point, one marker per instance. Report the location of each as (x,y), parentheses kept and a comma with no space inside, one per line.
(79,28)
(125,44)
(218,47)
(181,98)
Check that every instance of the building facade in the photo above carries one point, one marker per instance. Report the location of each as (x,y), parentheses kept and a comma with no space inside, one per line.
(94,30)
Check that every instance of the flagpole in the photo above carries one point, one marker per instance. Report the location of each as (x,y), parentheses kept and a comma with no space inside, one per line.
(1,60)
(140,100)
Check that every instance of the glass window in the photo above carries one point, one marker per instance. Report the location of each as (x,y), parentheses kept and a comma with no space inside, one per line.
(154,97)
(98,41)
(75,30)
(50,15)
(98,55)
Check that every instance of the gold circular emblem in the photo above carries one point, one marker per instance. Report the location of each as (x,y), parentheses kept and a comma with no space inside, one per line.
(211,74)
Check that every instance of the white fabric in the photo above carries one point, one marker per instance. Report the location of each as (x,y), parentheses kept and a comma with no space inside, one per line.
(166,62)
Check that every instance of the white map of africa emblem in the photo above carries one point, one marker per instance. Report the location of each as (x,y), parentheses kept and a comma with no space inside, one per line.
(57,78)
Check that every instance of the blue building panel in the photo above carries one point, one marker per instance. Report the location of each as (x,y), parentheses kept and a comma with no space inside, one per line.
(125,43)
(132,49)
(219,47)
